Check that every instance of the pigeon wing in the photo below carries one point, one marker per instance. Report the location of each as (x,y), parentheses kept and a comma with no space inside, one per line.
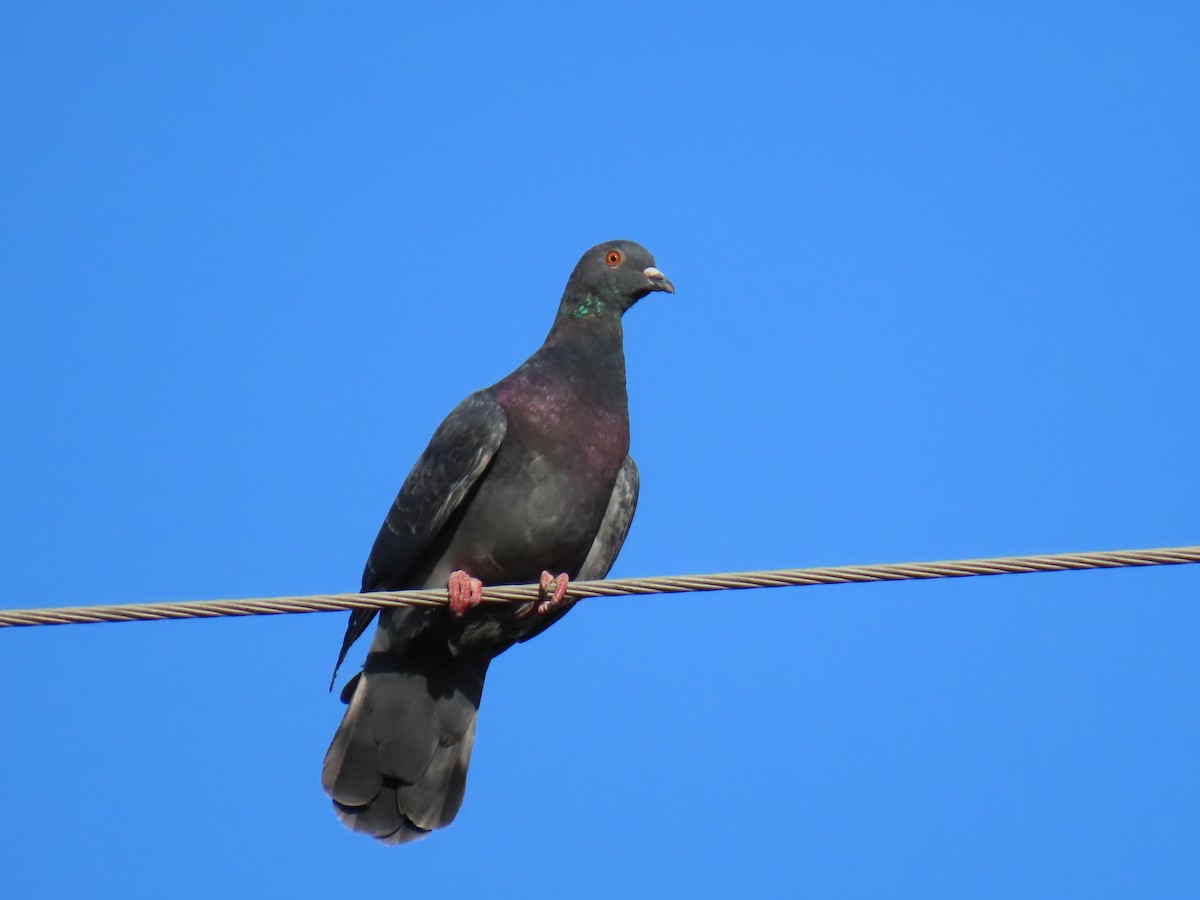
(459,453)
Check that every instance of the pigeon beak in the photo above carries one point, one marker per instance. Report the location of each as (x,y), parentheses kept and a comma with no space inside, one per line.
(658,281)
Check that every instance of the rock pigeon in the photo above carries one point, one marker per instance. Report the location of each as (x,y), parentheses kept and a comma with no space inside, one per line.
(528,477)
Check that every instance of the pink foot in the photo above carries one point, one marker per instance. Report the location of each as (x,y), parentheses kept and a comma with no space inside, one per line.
(552,591)
(465,592)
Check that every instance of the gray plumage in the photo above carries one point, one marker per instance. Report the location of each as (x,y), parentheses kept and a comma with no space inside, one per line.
(528,475)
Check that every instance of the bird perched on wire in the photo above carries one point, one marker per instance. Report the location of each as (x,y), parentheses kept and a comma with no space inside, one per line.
(529,480)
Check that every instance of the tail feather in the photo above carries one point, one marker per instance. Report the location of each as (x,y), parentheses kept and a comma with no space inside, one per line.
(350,774)
(431,809)
(381,818)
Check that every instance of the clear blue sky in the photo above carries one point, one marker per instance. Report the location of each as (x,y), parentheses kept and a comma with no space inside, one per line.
(938,296)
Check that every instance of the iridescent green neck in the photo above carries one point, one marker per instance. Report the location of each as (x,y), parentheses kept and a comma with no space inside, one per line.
(589,306)
(593,318)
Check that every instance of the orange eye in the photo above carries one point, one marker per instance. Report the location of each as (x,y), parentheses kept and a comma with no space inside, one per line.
(613,258)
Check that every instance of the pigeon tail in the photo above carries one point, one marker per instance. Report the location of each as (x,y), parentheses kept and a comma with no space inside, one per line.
(397,766)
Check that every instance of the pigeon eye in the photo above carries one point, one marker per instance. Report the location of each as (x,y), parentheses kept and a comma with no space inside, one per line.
(613,258)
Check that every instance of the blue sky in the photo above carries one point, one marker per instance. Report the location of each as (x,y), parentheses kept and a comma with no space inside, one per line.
(937,297)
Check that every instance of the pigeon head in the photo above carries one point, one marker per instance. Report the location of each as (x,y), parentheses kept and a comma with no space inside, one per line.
(609,279)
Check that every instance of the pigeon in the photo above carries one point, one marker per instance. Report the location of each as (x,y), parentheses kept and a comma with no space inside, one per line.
(529,480)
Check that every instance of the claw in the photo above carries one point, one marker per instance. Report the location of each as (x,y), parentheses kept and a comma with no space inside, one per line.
(552,589)
(559,584)
(465,592)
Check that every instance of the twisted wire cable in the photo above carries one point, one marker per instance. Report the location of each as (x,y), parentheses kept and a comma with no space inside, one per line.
(664,584)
